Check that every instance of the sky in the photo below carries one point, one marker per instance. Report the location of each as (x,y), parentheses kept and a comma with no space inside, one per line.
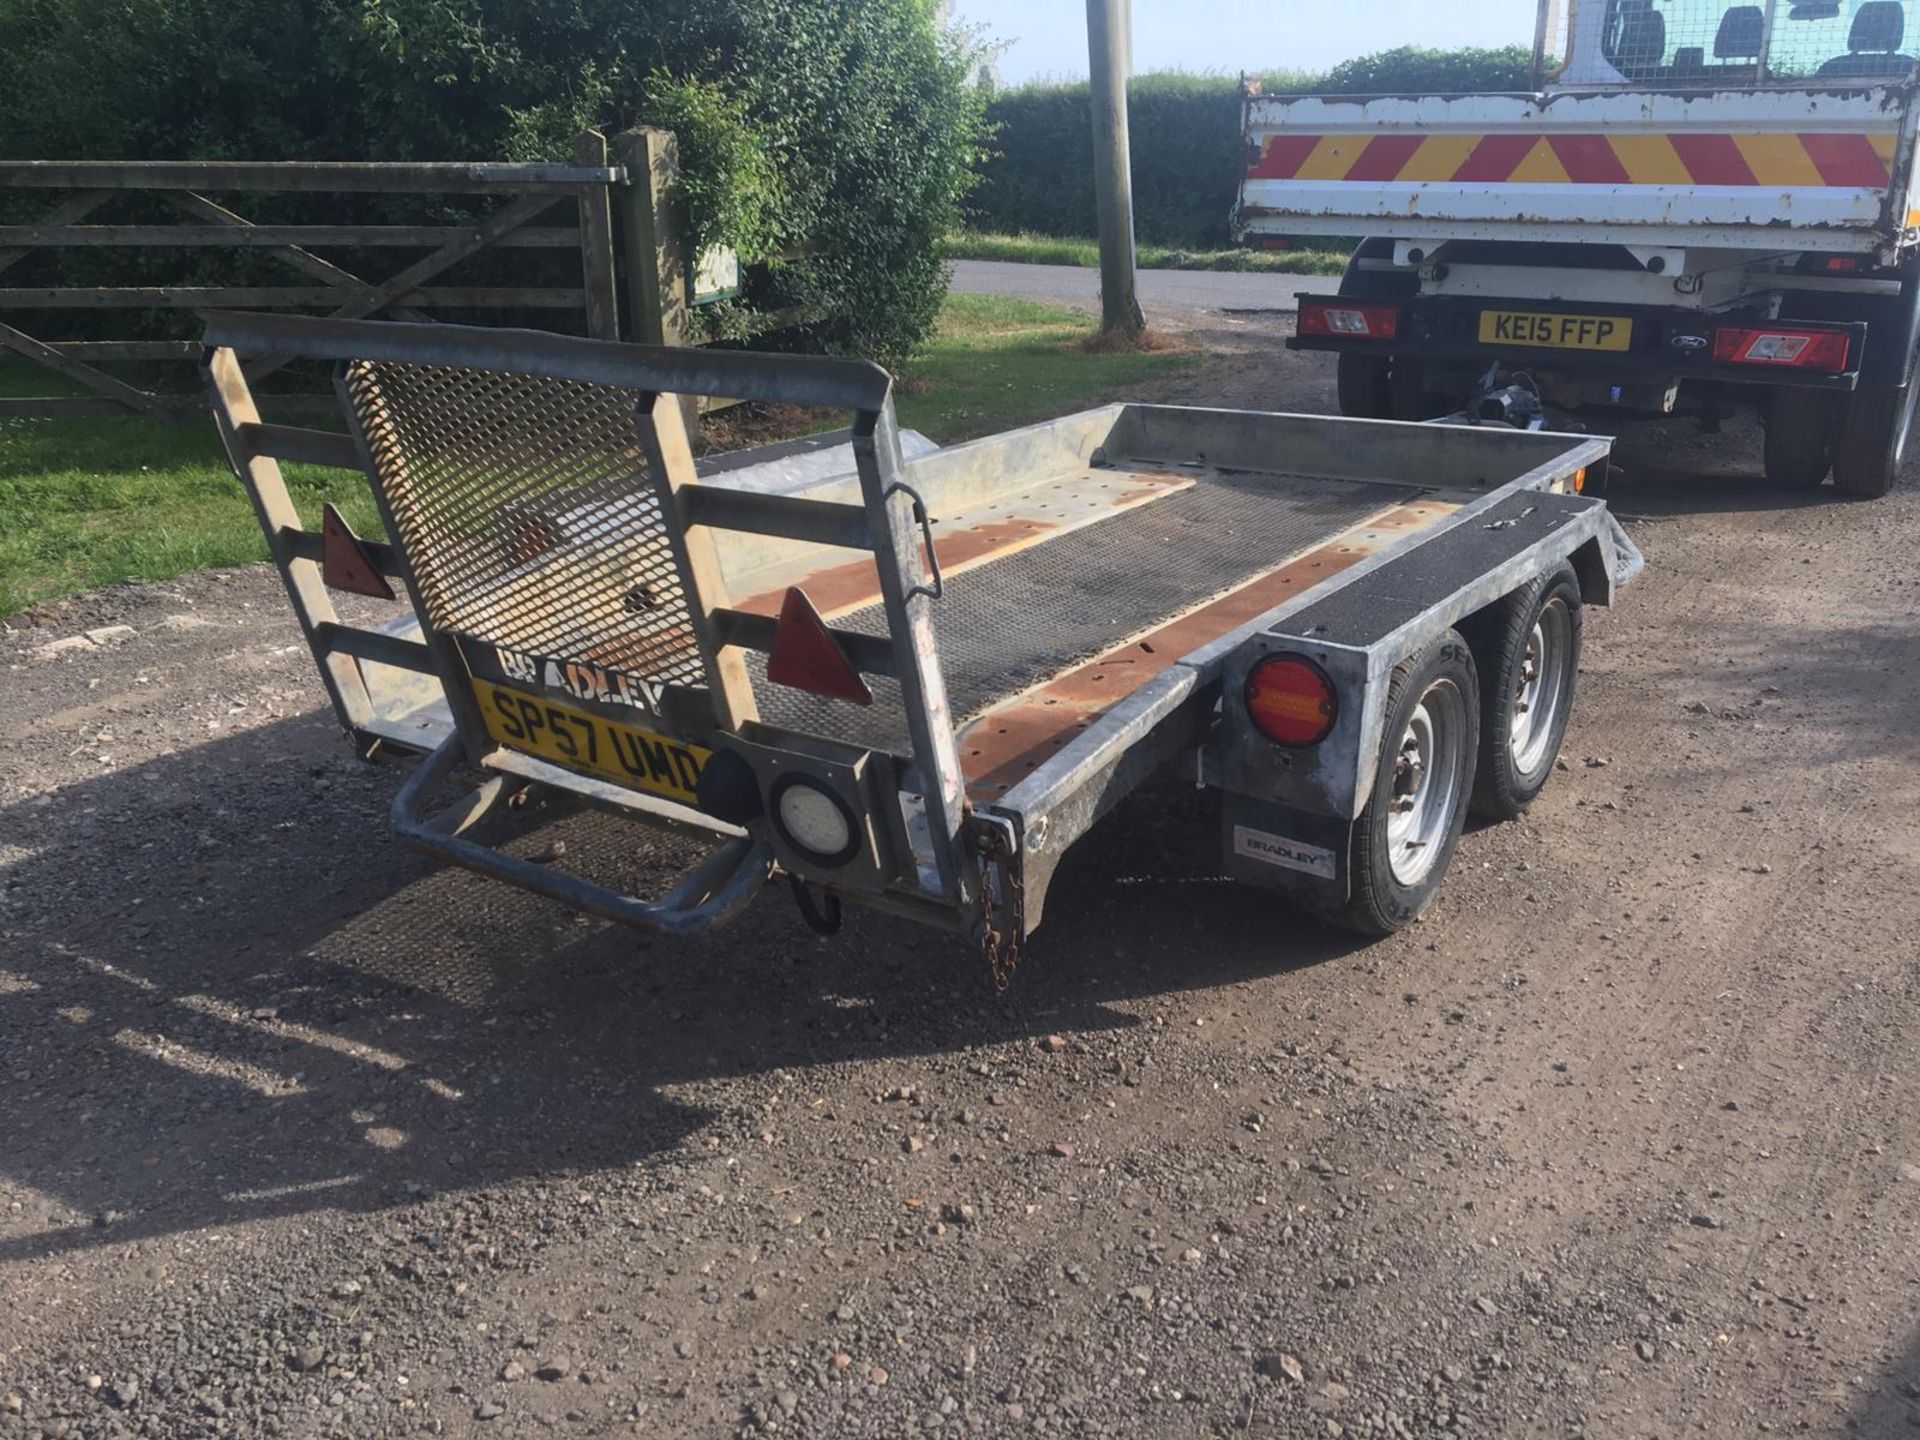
(1050,36)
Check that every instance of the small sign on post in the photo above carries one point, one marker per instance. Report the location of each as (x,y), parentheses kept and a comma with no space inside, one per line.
(716,275)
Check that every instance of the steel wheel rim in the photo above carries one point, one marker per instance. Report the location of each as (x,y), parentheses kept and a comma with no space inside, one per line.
(1540,693)
(1426,782)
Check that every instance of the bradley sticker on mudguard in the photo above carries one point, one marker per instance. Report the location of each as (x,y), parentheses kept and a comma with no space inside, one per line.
(1272,849)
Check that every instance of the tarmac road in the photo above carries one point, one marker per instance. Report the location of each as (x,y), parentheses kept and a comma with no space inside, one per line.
(1177,289)
(300,1136)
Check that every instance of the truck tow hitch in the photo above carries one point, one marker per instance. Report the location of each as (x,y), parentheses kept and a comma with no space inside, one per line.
(1504,397)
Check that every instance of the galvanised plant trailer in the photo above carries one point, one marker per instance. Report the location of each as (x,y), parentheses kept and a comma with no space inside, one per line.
(912,684)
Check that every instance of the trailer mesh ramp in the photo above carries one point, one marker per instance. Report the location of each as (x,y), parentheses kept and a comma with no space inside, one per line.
(1016,621)
(524,505)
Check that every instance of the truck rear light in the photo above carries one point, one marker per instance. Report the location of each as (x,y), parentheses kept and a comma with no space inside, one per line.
(1291,701)
(1822,350)
(1349,322)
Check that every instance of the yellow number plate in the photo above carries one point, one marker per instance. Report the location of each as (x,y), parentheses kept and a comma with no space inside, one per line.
(1555,332)
(637,759)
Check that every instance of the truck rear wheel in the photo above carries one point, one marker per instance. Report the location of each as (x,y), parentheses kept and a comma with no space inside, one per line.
(1366,382)
(1872,438)
(1800,434)
(1528,652)
(1400,847)
(1412,399)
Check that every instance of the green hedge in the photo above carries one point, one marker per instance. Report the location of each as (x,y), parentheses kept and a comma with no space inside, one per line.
(1186,141)
(841,132)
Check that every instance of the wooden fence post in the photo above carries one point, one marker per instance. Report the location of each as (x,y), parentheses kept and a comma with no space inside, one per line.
(596,242)
(653,237)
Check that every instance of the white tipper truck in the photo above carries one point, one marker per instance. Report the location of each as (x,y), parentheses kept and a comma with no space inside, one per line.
(1699,205)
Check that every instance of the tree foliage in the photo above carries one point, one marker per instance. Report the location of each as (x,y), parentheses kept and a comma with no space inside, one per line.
(1411,70)
(1185,133)
(837,137)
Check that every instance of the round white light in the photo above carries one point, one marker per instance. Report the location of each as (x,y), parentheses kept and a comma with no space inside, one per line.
(815,822)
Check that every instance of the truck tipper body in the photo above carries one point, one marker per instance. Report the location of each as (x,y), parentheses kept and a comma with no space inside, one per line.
(1701,205)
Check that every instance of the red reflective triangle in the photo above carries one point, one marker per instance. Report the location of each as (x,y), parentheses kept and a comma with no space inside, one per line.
(807,657)
(344,563)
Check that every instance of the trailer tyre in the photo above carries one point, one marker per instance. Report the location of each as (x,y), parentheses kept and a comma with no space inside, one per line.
(1800,433)
(1400,847)
(1528,648)
(1873,437)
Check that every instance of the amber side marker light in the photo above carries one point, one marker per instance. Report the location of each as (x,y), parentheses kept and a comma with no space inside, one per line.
(1291,701)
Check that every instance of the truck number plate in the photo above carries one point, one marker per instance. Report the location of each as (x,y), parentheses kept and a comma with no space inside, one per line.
(623,754)
(1555,332)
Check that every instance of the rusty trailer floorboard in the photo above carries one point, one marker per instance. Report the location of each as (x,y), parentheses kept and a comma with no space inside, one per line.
(1037,643)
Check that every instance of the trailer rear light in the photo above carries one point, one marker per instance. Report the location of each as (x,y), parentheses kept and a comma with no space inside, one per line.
(1291,701)
(814,820)
(1349,322)
(1823,350)
(1842,263)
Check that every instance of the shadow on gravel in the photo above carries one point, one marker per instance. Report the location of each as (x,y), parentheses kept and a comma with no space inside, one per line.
(1834,693)
(1650,492)
(226,995)
(1668,468)
(1892,1407)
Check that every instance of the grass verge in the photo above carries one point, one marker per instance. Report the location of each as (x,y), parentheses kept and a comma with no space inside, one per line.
(85,503)
(996,363)
(1053,250)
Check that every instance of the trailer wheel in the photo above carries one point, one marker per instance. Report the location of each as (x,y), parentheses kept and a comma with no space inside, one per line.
(1872,438)
(1528,648)
(1401,845)
(1800,434)
(1365,383)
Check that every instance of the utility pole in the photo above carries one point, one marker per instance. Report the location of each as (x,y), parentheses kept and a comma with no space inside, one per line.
(1110,61)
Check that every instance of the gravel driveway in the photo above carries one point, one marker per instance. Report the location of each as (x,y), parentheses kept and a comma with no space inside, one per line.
(301,1137)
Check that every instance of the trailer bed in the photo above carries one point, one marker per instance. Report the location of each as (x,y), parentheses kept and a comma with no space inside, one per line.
(1084,606)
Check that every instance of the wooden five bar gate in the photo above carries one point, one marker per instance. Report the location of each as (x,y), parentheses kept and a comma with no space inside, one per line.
(617,199)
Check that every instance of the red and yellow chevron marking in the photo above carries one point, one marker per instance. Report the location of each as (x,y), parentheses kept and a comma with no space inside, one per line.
(1812,161)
